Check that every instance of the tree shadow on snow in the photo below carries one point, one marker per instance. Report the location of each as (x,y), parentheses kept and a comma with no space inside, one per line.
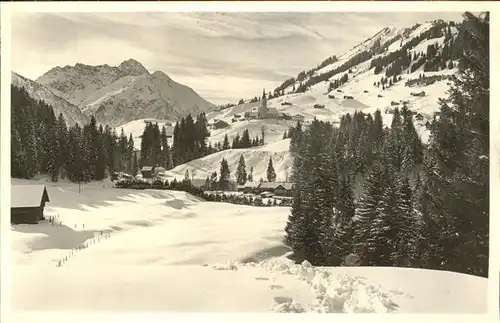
(95,196)
(55,236)
(179,204)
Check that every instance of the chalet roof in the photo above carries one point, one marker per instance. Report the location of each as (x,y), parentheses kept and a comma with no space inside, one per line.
(286,186)
(274,185)
(251,184)
(28,195)
(146,168)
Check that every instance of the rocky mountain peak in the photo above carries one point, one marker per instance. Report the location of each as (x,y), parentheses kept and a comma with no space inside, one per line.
(132,67)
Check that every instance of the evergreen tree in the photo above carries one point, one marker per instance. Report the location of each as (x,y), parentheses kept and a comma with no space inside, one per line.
(369,242)
(225,175)
(457,170)
(241,173)
(245,140)
(225,145)
(271,174)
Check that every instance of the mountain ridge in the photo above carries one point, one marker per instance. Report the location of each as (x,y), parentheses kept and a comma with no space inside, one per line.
(71,113)
(119,94)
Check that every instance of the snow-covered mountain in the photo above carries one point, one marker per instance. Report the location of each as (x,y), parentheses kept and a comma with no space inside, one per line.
(348,83)
(72,114)
(119,94)
(320,92)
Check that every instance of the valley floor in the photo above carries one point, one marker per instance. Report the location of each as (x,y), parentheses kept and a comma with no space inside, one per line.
(124,250)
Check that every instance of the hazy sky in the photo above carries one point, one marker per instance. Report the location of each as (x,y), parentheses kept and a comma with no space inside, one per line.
(222,56)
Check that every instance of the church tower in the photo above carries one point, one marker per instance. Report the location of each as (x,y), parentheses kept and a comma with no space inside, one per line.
(263,106)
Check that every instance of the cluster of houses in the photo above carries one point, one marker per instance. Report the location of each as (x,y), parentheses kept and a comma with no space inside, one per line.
(267,188)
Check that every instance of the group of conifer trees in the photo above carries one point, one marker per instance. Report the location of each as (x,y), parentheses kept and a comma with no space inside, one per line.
(42,143)
(189,142)
(381,194)
(242,176)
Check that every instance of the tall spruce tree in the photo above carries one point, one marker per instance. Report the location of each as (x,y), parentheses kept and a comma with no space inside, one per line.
(241,173)
(271,174)
(225,175)
(457,172)
(225,145)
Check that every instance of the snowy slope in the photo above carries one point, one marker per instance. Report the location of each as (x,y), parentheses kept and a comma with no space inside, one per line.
(257,157)
(117,95)
(71,112)
(140,246)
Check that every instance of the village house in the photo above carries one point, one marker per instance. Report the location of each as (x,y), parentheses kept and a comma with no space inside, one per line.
(422,93)
(220,124)
(28,203)
(299,117)
(159,171)
(147,171)
(273,113)
(284,189)
(250,187)
(251,115)
(277,188)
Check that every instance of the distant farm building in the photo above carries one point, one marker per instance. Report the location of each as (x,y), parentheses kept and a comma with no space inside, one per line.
(273,113)
(319,106)
(299,117)
(251,115)
(250,187)
(276,188)
(418,93)
(221,124)
(159,171)
(28,203)
(419,117)
(147,171)
(120,175)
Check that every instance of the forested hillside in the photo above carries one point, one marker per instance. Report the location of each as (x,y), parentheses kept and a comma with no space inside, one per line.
(418,206)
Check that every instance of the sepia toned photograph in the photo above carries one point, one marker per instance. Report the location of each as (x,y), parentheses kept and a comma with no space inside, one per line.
(265,162)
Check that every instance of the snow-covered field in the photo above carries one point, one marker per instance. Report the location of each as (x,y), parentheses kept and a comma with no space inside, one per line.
(257,157)
(125,250)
